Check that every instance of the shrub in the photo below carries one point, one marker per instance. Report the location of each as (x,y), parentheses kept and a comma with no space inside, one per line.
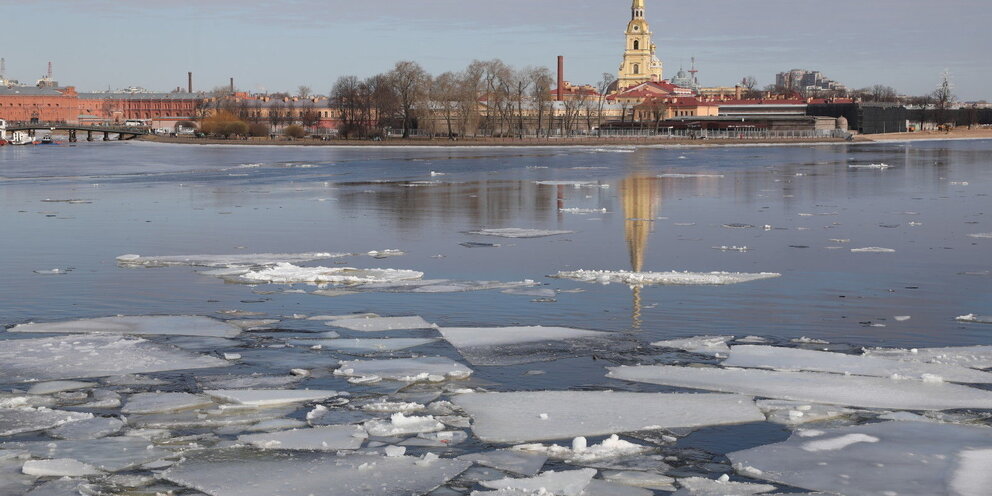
(294,131)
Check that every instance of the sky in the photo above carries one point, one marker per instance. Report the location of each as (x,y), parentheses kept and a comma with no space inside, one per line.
(278,45)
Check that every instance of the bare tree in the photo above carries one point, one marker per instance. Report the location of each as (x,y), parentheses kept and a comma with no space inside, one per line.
(943,98)
(605,82)
(303,92)
(444,98)
(276,108)
(409,82)
(541,81)
(750,84)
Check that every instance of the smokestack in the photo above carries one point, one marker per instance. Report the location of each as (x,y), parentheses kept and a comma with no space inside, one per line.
(3,67)
(561,78)
(49,70)
(189,82)
(232,85)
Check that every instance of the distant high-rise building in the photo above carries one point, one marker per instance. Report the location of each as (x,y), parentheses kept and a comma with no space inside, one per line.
(806,81)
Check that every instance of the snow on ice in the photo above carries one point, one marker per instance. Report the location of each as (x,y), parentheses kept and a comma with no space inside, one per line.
(518,417)
(704,345)
(263,398)
(328,438)
(78,356)
(433,369)
(976,357)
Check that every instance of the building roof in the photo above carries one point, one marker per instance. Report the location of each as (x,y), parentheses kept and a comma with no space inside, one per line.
(28,91)
(139,96)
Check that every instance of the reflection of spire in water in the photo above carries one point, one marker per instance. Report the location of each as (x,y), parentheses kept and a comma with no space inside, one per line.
(641,197)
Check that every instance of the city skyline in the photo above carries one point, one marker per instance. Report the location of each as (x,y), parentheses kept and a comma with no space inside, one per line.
(277,47)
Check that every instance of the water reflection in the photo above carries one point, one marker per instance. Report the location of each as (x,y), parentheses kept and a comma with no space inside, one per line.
(641,198)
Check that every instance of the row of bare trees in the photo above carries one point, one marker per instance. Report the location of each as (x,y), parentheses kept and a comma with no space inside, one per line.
(487,98)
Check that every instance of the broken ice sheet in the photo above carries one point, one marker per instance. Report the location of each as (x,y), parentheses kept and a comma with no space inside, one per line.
(93,428)
(516,232)
(20,420)
(144,403)
(673,278)
(224,260)
(796,412)
(880,458)
(441,286)
(329,438)
(580,452)
(379,324)
(701,486)
(566,483)
(364,345)
(285,273)
(816,387)
(248,382)
(181,325)
(399,424)
(518,345)
(262,398)
(704,345)
(976,357)
(239,472)
(110,453)
(779,358)
(434,369)
(872,249)
(78,356)
(978,319)
(519,417)
(518,462)
(215,418)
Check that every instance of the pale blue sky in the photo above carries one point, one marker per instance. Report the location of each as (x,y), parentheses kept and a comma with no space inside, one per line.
(280,44)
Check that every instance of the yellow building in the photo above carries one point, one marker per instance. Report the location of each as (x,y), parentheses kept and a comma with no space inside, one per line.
(640,64)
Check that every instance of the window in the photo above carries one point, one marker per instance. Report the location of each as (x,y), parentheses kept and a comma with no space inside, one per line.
(637,68)
(637,45)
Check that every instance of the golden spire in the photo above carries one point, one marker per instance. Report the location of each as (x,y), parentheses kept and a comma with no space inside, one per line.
(641,198)
(638,9)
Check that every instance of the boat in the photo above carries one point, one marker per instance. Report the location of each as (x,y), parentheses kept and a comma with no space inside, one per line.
(47,140)
(21,138)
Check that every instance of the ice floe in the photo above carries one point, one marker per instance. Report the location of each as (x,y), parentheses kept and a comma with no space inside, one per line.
(181,325)
(987,235)
(144,403)
(581,451)
(507,460)
(518,417)
(62,467)
(439,286)
(111,454)
(723,486)
(977,319)
(673,278)
(434,369)
(58,387)
(704,345)
(872,249)
(976,357)
(93,428)
(241,259)
(327,438)
(550,483)
(514,345)
(378,324)
(237,472)
(780,358)
(20,420)
(878,166)
(269,397)
(399,424)
(787,412)
(675,175)
(83,356)
(516,232)
(880,458)
(364,345)
(286,273)
(817,387)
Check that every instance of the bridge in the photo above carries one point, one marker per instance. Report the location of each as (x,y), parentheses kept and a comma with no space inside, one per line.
(122,132)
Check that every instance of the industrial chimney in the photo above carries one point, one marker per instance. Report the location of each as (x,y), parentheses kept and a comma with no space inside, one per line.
(561,78)
(232,85)
(189,82)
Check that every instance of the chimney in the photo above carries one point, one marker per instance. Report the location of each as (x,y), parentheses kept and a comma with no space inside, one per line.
(232,85)
(561,78)
(189,82)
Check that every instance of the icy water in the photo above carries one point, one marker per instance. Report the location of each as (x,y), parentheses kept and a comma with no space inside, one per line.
(851,255)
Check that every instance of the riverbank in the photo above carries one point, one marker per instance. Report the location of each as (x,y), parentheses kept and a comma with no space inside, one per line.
(584,141)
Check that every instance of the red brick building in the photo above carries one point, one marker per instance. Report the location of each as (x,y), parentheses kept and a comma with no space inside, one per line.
(30,104)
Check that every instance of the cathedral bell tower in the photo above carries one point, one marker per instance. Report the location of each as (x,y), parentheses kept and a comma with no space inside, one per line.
(640,63)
